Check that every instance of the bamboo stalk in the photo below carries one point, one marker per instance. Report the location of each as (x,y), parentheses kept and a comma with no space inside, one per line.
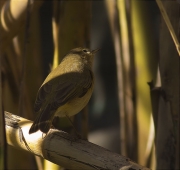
(168,122)
(115,30)
(12,19)
(129,74)
(63,149)
(3,145)
(168,24)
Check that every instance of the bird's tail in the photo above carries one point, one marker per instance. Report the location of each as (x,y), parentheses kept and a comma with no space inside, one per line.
(43,121)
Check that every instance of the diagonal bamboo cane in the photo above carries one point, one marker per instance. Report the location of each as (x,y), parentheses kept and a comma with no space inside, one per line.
(63,149)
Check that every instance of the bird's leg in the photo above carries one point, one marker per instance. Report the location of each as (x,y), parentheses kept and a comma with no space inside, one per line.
(77,133)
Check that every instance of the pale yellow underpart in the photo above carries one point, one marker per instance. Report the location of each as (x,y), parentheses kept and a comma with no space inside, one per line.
(74,106)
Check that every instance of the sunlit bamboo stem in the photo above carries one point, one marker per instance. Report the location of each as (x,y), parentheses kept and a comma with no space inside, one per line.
(12,18)
(63,149)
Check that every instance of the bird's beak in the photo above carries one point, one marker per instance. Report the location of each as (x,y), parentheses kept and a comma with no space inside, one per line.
(95,51)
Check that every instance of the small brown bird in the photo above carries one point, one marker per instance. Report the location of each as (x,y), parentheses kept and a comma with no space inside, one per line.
(66,90)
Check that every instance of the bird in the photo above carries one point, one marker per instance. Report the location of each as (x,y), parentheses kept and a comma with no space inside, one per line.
(66,90)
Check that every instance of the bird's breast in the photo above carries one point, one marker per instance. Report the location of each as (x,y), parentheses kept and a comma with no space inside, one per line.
(74,106)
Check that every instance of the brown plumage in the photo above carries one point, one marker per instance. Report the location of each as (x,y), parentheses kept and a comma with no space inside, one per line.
(66,90)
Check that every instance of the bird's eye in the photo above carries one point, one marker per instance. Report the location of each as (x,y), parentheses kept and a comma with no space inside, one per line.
(84,50)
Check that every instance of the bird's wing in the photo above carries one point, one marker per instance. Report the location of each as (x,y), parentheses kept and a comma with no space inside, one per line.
(62,89)
(57,92)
